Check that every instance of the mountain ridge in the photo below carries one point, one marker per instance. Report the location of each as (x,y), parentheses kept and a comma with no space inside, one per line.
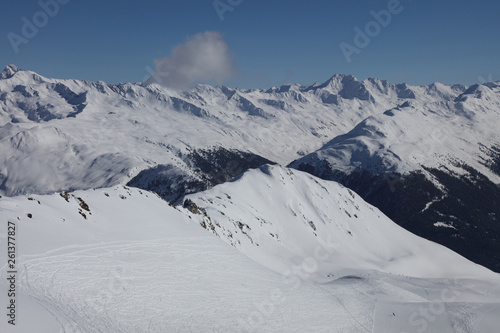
(59,135)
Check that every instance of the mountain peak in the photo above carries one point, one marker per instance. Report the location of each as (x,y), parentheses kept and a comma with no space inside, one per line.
(9,71)
(341,78)
(346,86)
(335,82)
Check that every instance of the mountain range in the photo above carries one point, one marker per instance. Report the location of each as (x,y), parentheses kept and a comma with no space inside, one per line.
(427,156)
(302,189)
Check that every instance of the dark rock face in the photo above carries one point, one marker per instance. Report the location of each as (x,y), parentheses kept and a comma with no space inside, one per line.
(181,105)
(250,108)
(462,214)
(37,112)
(78,101)
(209,167)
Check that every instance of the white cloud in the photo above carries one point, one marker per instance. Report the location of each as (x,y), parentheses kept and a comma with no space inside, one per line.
(202,58)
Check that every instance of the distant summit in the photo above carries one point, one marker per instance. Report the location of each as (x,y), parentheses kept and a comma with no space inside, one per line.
(9,71)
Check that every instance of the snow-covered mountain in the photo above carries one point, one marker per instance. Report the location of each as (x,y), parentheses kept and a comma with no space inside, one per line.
(287,213)
(432,165)
(121,259)
(90,134)
(419,132)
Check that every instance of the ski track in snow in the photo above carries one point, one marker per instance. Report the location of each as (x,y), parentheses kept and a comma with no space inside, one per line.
(194,284)
(173,285)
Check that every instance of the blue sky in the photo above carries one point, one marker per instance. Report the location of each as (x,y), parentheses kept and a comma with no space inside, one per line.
(271,42)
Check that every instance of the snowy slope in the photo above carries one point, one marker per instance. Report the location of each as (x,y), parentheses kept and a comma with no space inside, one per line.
(135,264)
(288,213)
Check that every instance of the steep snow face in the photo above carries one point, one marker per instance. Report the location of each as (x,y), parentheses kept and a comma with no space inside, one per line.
(146,126)
(285,218)
(121,260)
